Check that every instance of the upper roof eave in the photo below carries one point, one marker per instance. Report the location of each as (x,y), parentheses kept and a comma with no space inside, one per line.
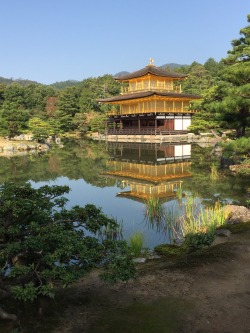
(150,69)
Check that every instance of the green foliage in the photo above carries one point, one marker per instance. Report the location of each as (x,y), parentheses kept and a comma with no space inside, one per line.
(198,79)
(196,241)
(241,145)
(41,129)
(235,100)
(79,121)
(197,225)
(136,243)
(119,266)
(44,244)
(98,123)
(93,89)
(13,119)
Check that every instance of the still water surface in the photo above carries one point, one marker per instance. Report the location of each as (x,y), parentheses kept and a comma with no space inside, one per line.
(119,177)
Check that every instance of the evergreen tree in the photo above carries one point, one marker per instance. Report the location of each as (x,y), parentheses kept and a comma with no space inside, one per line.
(68,106)
(13,119)
(234,103)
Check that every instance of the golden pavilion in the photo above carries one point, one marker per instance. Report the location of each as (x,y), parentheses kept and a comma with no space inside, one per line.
(151,102)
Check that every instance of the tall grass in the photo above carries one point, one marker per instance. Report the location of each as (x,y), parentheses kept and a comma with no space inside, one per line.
(136,244)
(179,193)
(214,174)
(111,232)
(197,220)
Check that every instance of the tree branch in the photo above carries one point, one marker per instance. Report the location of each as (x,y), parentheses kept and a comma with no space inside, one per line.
(7,316)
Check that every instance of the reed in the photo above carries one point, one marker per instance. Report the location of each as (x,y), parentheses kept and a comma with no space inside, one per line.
(214,174)
(111,232)
(154,209)
(179,193)
(170,222)
(136,244)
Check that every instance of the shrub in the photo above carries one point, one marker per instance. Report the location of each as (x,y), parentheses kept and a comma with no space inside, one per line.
(196,241)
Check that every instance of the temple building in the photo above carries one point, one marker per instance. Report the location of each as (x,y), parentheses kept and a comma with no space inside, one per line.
(151,103)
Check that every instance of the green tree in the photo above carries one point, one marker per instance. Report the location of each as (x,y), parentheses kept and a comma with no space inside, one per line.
(68,106)
(234,106)
(13,119)
(80,122)
(98,123)
(97,88)
(198,79)
(2,89)
(213,67)
(42,129)
(43,244)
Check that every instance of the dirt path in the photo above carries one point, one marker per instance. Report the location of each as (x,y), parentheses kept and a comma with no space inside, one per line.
(211,296)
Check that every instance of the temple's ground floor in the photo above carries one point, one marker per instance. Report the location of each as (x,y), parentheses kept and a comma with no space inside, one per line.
(149,124)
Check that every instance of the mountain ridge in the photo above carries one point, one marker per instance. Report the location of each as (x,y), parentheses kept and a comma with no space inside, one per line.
(66,83)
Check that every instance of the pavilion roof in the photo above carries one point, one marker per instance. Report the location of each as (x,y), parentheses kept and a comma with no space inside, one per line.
(145,94)
(150,69)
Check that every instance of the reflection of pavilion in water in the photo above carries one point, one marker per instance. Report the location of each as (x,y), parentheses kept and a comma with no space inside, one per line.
(150,170)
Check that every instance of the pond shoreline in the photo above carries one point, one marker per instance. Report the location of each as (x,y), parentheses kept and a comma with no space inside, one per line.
(20,147)
(190,138)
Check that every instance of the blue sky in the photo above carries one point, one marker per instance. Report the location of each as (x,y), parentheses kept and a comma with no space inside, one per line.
(57,40)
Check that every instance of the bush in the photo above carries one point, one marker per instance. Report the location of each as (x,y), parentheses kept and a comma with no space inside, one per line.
(241,145)
(196,241)
(44,245)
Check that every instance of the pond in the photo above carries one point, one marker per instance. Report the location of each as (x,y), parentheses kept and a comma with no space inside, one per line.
(120,177)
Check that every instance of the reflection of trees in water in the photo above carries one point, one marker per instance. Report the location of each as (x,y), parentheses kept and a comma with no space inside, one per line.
(223,188)
(81,159)
(77,160)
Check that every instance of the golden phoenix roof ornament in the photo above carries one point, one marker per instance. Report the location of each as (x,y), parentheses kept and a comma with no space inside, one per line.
(151,62)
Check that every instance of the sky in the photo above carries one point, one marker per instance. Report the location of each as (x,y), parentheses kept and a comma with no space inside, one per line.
(56,40)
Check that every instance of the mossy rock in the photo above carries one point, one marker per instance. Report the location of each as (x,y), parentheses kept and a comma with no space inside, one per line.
(168,250)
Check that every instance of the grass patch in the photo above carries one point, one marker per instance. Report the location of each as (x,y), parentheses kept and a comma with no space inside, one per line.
(237,227)
(170,251)
(161,316)
(204,256)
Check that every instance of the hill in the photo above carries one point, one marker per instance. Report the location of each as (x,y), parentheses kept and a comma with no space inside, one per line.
(173,65)
(23,82)
(170,66)
(64,84)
